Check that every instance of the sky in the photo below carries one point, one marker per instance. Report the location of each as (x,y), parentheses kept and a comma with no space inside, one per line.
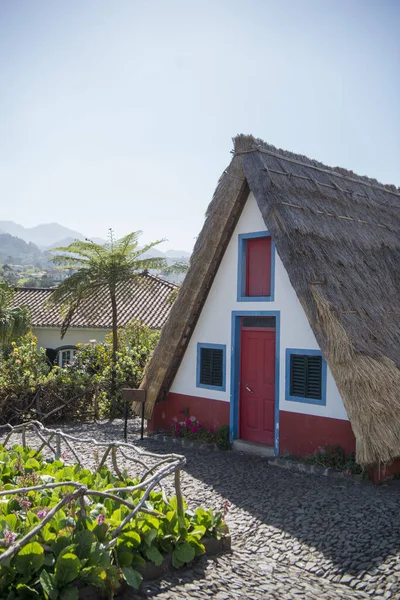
(121,114)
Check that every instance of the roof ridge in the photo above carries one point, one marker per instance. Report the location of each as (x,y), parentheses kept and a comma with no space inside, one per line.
(32,289)
(160,279)
(261,146)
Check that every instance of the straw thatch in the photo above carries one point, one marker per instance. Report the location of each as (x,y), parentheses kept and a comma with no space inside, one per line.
(338,236)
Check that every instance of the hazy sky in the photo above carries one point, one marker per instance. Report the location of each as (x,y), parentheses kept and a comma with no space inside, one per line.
(120,113)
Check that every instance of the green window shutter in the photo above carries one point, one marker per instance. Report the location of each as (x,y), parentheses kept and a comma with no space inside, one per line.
(211,367)
(306,376)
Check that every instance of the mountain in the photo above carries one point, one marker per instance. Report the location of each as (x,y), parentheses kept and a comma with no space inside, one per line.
(16,251)
(43,235)
(41,239)
(177,254)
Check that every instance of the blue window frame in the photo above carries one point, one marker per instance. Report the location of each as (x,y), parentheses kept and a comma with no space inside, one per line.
(242,260)
(211,367)
(305,376)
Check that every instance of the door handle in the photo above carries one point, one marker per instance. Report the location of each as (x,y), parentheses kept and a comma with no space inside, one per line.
(248,388)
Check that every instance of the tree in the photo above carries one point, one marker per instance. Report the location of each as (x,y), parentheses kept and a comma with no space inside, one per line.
(14,321)
(97,266)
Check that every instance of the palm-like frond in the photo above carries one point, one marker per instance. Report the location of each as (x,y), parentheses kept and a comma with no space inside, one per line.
(99,266)
(72,293)
(14,321)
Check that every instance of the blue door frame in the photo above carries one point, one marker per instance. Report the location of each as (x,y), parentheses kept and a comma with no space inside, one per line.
(235,369)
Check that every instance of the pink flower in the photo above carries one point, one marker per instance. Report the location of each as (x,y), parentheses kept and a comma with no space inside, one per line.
(211,429)
(100,519)
(347,472)
(9,537)
(188,422)
(41,514)
(195,429)
(24,503)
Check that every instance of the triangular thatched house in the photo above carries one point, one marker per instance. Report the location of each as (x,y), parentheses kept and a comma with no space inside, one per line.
(287,326)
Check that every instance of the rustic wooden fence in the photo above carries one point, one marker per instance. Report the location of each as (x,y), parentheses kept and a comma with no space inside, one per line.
(151,467)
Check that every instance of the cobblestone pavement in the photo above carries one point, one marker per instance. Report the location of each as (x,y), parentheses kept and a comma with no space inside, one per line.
(293,535)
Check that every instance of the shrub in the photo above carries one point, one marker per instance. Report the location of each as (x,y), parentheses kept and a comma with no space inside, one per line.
(27,380)
(222,438)
(335,457)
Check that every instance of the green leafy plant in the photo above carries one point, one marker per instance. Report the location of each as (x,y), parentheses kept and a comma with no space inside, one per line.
(14,321)
(84,384)
(335,457)
(76,546)
(222,438)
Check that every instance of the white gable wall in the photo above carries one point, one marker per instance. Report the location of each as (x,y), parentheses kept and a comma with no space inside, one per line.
(214,325)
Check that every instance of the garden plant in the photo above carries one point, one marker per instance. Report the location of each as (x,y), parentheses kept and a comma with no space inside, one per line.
(32,388)
(189,427)
(64,527)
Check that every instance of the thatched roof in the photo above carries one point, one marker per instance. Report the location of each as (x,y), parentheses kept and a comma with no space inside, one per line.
(338,236)
(146,299)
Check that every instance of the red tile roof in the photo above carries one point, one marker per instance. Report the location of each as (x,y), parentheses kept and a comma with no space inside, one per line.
(146,301)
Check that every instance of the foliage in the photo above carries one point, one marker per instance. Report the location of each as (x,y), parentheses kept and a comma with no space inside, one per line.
(222,438)
(335,457)
(136,343)
(187,426)
(98,267)
(24,368)
(73,548)
(82,386)
(14,321)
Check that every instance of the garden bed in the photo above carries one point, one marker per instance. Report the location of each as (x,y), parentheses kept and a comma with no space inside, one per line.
(67,532)
(327,461)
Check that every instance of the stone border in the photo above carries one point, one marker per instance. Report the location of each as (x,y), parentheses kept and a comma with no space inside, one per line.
(195,444)
(151,572)
(301,467)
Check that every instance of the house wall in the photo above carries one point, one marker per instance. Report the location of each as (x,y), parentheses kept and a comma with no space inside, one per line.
(299,422)
(50,337)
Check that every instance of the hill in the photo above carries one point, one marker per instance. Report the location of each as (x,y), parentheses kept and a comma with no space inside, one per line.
(43,235)
(16,251)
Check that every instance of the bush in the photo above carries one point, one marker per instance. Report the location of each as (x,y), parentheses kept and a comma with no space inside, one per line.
(187,426)
(335,457)
(72,549)
(27,381)
(222,438)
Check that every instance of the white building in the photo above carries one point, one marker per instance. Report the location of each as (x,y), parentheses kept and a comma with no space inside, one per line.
(147,301)
(281,328)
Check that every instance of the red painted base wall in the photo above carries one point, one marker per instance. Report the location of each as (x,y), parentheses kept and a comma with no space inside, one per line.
(303,434)
(299,434)
(211,413)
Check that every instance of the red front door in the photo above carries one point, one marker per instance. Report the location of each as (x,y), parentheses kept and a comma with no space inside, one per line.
(257,386)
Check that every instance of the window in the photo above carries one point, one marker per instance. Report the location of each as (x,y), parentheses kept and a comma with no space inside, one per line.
(65,356)
(305,376)
(256,267)
(211,366)
(259,322)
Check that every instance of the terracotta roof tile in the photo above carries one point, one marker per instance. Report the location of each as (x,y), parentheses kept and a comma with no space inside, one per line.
(147,301)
